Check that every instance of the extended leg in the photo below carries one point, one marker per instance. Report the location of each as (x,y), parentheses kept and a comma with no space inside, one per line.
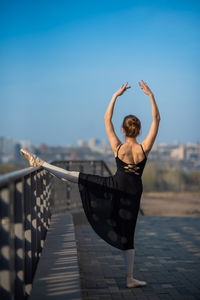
(129,260)
(61,173)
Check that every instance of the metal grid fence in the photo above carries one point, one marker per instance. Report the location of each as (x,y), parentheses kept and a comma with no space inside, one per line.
(27,200)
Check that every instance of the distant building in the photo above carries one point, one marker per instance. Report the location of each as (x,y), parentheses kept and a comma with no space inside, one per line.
(93,143)
(169,154)
(7,146)
(25,144)
(82,143)
(179,153)
(42,147)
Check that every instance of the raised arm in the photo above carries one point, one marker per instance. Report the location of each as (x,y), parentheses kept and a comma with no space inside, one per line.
(151,136)
(113,138)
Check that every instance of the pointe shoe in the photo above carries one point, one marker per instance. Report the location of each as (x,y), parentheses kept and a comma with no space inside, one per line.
(133,283)
(34,161)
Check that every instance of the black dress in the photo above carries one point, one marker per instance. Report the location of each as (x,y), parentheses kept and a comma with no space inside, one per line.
(112,203)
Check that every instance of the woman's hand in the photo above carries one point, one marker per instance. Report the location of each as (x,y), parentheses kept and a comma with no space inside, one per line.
(122,89)
(145,88)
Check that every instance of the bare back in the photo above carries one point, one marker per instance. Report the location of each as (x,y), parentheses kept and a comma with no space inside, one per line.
(131,153)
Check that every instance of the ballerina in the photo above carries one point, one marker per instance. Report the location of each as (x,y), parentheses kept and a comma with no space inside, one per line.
(112,203)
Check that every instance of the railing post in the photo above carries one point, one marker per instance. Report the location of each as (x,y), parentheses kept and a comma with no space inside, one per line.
(42,210)
(45,182)
(6,292)
(102,168)
(38,200)
(27,235)
(68,187)
(34,222)
(19,241)
(81,168)
(92,163)
(49,197)
(12,236)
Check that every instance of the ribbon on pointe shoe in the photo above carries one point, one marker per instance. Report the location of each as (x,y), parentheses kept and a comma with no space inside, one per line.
(33,160)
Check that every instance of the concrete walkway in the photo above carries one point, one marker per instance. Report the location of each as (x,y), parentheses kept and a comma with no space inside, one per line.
(57,275)
(167,256)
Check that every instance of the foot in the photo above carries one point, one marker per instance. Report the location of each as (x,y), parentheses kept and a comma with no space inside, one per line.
(34,161)
(133,283)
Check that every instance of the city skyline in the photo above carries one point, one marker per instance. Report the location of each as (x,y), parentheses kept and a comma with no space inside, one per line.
(185,156)
(61,63)
(82,143)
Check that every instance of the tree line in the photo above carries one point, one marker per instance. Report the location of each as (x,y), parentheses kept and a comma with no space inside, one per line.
(156,178)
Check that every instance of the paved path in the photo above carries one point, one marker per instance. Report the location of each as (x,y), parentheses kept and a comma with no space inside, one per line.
(57,274)
(167,256)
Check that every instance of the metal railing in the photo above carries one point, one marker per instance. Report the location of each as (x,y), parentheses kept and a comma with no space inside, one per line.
(25,199)
(66,195)
(28,198)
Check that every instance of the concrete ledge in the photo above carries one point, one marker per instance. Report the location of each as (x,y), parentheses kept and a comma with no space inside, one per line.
(57,275)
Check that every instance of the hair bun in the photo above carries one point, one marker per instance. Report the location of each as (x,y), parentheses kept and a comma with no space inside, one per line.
(131,125)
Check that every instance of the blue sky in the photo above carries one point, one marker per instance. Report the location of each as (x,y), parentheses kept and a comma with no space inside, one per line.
(61,61)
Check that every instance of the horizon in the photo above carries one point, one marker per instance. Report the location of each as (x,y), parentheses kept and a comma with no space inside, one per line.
(175,142)
(61,63)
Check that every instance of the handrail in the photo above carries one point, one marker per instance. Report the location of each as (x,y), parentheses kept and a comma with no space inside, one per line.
(12,176)
(106,167)
(27,200)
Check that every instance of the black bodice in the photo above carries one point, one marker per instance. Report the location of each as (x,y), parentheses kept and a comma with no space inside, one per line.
(132,169)
(112,203)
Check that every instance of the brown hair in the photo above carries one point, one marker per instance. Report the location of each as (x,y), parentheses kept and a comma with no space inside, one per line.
(131,125)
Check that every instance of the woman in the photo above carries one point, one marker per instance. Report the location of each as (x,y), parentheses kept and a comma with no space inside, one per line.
(112,203)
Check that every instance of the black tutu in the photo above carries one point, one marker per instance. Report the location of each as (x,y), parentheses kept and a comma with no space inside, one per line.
(112,203)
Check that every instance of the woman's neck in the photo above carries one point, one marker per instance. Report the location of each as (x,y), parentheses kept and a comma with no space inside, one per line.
(130,140)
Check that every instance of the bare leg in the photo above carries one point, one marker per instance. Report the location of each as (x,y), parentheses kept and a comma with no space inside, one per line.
(61,173)
(129,260)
